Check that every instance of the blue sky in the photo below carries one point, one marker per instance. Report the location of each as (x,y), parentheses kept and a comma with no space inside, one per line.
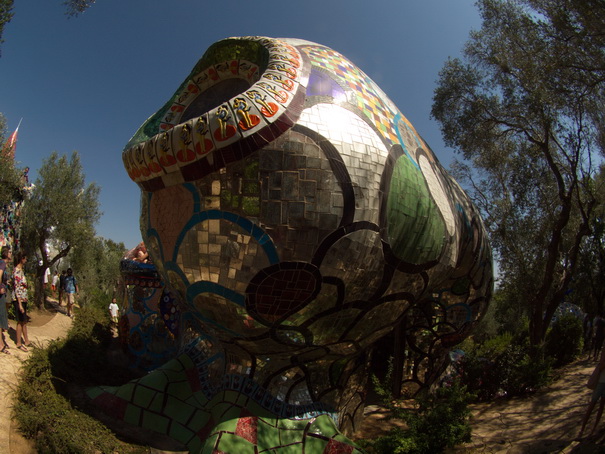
(88,83)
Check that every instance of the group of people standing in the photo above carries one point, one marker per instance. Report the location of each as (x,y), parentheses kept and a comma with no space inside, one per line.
(17,283)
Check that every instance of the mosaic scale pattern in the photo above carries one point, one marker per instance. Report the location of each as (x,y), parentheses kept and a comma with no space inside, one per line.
(149,324)
(297,217)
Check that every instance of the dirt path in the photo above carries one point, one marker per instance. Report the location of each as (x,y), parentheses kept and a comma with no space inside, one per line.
(547,421)
(44,327)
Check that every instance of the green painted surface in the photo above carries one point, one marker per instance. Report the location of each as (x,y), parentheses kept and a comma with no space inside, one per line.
(415,228)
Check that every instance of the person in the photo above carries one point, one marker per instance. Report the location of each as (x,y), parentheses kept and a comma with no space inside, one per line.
(5,255)
(71,288)
(113,311)
(46,276)
(54,283)
(62,286)
(597,395)
(20,301)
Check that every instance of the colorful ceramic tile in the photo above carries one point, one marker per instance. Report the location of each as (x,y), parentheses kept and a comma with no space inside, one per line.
(297,219)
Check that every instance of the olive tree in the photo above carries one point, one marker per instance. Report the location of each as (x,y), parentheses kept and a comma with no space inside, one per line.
(523,109)
(97,264)
(11,183)
(60,214)
(73,8)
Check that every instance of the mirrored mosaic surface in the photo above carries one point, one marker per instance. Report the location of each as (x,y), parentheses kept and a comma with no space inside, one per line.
(298,217)
(149,325)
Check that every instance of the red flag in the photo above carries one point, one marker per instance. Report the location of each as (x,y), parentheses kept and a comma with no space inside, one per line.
(9,146)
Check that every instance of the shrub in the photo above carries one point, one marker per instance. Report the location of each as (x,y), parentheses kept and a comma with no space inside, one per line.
(48,417)
(564,341)
(440,420)
(505,365)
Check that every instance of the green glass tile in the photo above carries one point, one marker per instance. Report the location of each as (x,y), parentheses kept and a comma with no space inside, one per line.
(219,409)
(231,412)
(288,436)
(155,422)
(125,391)
(208,445)
(314,445)
(267,435)
(179,390)
(199,420)
(324,425)
(180,433)
(228,425)
(255,408)
(343,439)
(178,410)
(198,399)
(292,449)
(157,404)
(132,415)
(94,392)
(292,424)
(231,396)
(267,419)
(242,400)
(143,396)
(234,444)
(196,445)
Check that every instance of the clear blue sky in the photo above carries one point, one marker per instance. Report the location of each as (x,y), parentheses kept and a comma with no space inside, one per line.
(88,83)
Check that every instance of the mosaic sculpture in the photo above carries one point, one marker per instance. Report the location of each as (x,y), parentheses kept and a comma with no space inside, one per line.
(148,326)
(299,217)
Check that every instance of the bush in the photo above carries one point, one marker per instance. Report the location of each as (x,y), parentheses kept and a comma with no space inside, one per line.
(504,366)
(440,420)
(48,417)
(564,341)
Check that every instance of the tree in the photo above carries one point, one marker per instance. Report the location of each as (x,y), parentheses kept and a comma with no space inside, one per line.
(59,215)
(77,7)
(588,286)
(74,8)
(6,14)
(97,264)
(524,109)
(11,184)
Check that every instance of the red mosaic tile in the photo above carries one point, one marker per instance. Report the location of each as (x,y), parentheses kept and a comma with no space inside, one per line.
(247,428)
(337,447)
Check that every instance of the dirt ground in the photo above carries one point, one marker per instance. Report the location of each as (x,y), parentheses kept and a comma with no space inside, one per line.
(546,422)
(43,327)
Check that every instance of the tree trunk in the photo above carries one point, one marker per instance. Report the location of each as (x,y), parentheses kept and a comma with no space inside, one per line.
(40,295)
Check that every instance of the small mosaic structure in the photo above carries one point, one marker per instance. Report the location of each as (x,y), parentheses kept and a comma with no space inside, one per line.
(298,216)
(149,325)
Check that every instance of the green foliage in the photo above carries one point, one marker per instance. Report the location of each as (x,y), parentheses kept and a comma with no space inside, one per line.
(61,211)
(6,14)
(505,365)
(77,7)
(82,357)
(439,421)
(97,268)
(564,341)
(523,110)
(384,387)
(11,185)
(47,416)
(588,284)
